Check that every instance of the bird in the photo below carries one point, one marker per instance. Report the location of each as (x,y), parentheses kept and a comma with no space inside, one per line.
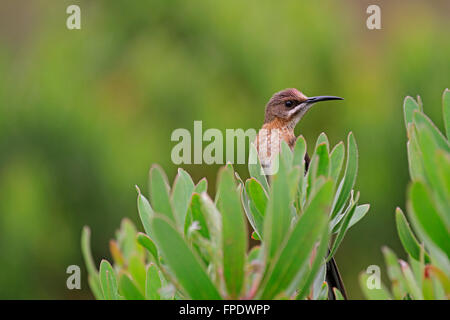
(283,112)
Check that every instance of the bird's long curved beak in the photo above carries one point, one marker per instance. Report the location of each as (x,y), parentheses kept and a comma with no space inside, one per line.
(303,107)
(312,100)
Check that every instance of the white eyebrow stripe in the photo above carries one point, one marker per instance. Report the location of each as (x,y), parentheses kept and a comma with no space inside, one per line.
(299,106)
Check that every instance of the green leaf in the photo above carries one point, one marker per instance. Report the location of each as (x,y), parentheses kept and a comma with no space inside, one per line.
(427,289)
(323,293)
(430,150)
(255,236)
(336,160)
(407,238)
(413,287)
(183,187)
(323,168)
(254,254)
(202,186)
(322,139)
(422,121)
(108,281)
(136,268)
(415,158)
(159,191)
(234,232)
(128,288)
(145,211)
(446,111)
(395,273)
(306,232)
(94,285)
(258,203)
(318,261)
(373,294)
(348,181)
(360,212)
(116,254)
(442,277)
(126,238)
(299,152)
(182,261)
(409,106)
(152,283)
(87,254)
(196,214)
(148,244)
(338,294)
(278,214)
(255,169)
(428,219)
(213,219)
(344,226)
(286,155)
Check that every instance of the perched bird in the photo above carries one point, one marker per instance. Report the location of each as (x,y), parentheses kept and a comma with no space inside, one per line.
(283,111)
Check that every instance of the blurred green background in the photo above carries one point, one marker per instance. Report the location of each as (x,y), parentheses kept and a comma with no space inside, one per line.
(84,113)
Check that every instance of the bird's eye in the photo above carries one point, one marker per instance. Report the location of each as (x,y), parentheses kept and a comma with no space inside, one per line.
(289,103)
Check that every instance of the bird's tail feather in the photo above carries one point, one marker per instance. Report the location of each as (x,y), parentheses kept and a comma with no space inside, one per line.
(334,280)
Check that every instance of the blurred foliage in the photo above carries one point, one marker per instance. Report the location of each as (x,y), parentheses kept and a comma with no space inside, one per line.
(428,274)
(198,248)
(83,113)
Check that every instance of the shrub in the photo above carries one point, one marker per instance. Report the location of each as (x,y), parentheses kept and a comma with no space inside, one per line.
(426,276)
(198,248)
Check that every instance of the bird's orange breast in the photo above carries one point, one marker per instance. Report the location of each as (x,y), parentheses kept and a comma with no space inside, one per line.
(268,140)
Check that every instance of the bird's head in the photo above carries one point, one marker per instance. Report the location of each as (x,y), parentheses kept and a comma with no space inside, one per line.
(290,105)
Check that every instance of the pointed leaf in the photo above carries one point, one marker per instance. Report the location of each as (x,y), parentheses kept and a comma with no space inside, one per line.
(202,186)
(255,169)
(234,232)
(407,238)
(323,293)
(87,254)
(338,294)
(145,211)
(318,261)
(322,139)
(413,287)
(446,111)
(323,168)
(409,106)
(136,268)
(299,151)
(182,261)
(360,212)
(343,228)
(152,283)
(148,244)
(394,272)
(108,281)
(159,191)
(183,187)
(348,181)
(306,232)
(427,216)
(373,293)
(278,214)
(128,288)
(421,120)
(336,160)
(94,285)
(196,214)
(258,203)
